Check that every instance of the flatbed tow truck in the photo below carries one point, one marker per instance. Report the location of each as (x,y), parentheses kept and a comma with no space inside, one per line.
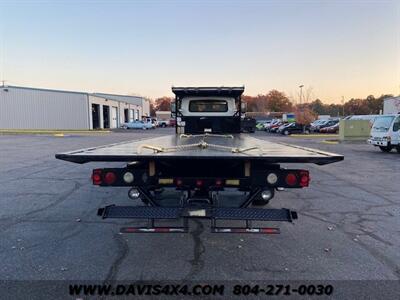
(206,156)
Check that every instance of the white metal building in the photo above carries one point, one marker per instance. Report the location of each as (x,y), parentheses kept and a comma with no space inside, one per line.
(391,105)
(33,108)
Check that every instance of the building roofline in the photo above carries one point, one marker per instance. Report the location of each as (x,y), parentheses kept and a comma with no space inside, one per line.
(97,94)
(43,89)
(117,95)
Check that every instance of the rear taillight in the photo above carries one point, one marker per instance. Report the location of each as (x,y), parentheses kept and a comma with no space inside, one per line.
(179,182)
(110,178)
(219,182)
(199,183)
(291,179)
(304,178)
(96,177)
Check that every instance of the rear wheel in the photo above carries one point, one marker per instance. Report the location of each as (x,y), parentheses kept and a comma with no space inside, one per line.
(286,132)
(385,149)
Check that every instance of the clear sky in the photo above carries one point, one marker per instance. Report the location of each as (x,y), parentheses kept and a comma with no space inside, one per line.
(339,48)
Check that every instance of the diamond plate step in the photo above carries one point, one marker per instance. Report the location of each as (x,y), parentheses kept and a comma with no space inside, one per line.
(139,212)
(220,213)
(256,214)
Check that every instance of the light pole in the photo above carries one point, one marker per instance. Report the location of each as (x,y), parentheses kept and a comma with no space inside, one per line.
(301,92)
(301,96)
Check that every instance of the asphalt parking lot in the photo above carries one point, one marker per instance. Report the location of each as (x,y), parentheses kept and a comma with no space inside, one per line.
(348,226)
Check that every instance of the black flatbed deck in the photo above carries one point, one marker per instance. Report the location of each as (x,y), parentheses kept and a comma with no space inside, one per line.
(221,147)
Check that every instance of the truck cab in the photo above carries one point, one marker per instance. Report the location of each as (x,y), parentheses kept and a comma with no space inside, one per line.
(208,110)
(385,133)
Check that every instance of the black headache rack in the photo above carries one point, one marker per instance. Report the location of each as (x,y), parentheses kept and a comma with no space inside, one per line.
(151,214)
(208,91)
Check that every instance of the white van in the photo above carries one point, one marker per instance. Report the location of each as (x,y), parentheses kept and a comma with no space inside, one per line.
(385,133)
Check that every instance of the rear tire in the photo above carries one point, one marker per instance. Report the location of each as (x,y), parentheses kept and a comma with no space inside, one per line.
(385,149)
(286,132)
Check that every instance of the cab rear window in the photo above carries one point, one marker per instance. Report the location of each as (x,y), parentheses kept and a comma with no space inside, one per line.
(208,106)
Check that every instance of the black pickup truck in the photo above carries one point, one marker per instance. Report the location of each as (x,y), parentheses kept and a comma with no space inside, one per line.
(207,158)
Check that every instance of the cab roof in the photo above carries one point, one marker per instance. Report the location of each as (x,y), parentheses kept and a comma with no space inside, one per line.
(208,91)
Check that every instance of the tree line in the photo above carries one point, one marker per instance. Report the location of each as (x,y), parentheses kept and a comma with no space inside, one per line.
(277,101)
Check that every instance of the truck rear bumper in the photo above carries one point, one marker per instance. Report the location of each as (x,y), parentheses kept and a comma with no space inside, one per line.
(219,213)
(214,214)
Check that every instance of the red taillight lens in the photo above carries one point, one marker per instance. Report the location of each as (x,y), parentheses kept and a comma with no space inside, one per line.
(96,177)
(304,178)
(199,182)
(179,182)
(218,182)
(291,179)
(110,178)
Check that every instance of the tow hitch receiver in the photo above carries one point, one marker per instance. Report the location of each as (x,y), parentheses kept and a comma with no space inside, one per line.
(214,214)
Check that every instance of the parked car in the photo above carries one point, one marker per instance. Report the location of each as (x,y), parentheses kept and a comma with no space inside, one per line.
(138,125)
(172,122)
(329,124)
(282,127)
(268,126)
(317,122)
(296,128)
(163,123)
(274,127)
(324,123)
(151,120)
(260,125)
(330,129)
(315,126)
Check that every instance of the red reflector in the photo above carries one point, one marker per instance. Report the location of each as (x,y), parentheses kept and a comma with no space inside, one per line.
(179,182)
(199,182)
(304,178)
(218,182)
(96,177)
(270,230)
(153,230)
(291,179)
(110,178)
